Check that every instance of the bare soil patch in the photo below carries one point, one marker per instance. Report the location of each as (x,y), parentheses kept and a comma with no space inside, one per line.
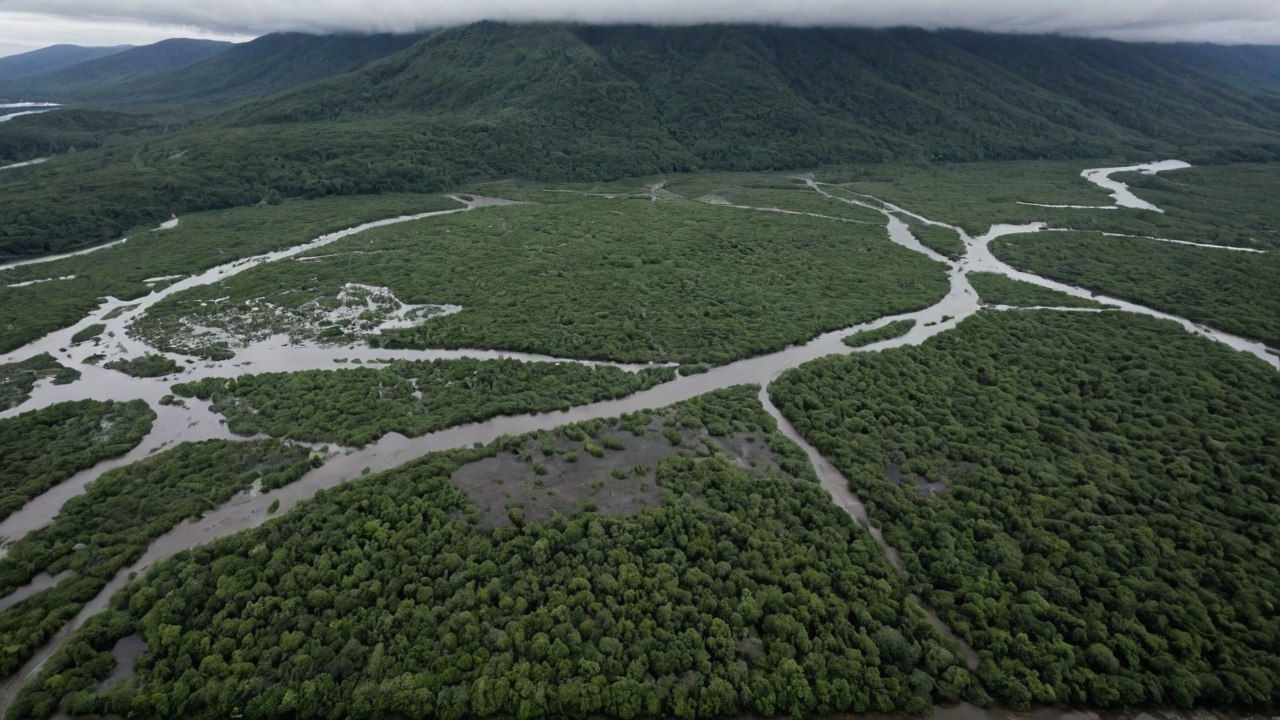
(585,470)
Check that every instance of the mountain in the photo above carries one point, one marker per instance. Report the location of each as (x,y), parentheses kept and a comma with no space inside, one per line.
(90,77)
(291,115)
(1249,66)
(51,59)
(255,69)
(750,97)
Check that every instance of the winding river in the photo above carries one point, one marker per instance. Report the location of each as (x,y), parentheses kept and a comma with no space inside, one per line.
(195,421)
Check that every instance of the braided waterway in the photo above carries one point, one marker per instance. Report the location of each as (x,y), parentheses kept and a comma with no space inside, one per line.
(247,510)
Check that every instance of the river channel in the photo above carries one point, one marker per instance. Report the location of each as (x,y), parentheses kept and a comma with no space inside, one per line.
(195,421)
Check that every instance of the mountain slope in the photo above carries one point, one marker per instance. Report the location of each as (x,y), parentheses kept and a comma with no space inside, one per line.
(51,59)
(259,68)
(92,76)
(567,102)
(750,97)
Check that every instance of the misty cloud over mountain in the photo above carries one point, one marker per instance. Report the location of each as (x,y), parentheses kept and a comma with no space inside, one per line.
(1227,21)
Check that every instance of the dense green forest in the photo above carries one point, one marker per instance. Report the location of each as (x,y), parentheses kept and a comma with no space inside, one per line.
(942,240)
(146,366)
(357,406)
(1108,521)
(995,289)
(200,241)
(46,446)
(389,596)
(897,328)
(1232,291)
(17,380)
(39,136)
(110,525)
(565,102)
(624,279)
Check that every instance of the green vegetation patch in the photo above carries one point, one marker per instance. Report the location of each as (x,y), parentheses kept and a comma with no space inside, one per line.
(199,242)
(1232,291)
(735,594)
(996,289)
(146,366)
(895,329)
(44,447)
(942,240)
(357,406)
(1112,538)
(89,333)
(794,199)
(628,280)
(18,379)
(112,523)
(1216,204)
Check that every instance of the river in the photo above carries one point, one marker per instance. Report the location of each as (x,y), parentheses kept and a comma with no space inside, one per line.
(11,110)
(247,510)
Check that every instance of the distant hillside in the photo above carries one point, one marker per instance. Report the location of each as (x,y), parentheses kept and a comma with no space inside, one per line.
(567,102)
(256,69)
(51,59)
(1250,66)
(91,77)
(752,97)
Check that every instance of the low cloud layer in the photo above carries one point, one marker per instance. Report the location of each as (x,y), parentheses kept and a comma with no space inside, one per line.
(1223,21)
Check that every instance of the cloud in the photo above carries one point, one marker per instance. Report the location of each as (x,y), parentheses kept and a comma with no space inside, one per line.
(1230,21)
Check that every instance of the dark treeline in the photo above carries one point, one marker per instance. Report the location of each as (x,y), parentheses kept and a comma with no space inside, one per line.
(1108,519)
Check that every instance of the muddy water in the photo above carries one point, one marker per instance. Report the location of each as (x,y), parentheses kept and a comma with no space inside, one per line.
(14,166)
(1120,192)
(51,258)
(38,584)
(125,651)
(173,425)
(10,110)
(249,509)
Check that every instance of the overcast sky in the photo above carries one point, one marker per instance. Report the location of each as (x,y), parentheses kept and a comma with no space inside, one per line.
(30,24)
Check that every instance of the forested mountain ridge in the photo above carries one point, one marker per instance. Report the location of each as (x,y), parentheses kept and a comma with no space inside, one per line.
(558,102)
(52,59)
(855,94)
(226,73)
(99,74)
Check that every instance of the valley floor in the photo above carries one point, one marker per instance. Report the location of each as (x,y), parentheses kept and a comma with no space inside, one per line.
(670,328)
